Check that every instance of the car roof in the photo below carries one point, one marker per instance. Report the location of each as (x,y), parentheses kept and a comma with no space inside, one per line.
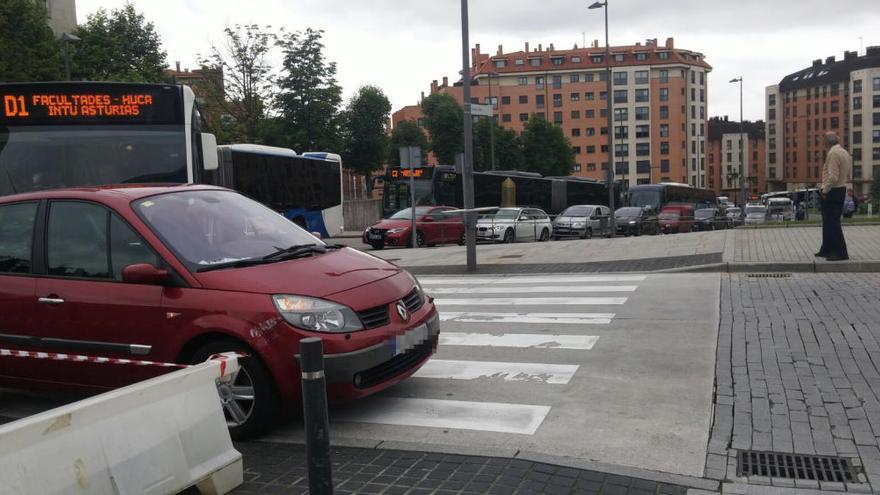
(114,192)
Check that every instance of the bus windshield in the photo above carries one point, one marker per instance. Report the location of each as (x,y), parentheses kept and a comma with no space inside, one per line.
(397,196)
(42,157)
(645,197)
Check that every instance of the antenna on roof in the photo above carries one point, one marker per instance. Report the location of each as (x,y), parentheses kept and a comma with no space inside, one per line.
(584,36)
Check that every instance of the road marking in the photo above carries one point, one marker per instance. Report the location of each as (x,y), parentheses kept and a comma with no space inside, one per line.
(541,289)
(535,301)
(461,415)
(468,280)
(557,374)
(521,340)
(540,318)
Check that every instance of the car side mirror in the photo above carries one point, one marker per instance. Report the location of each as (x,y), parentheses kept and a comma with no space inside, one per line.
(209,151)
(145,274)
(426,219)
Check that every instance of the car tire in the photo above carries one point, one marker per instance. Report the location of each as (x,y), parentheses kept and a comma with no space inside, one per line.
(588,234)
(377,246)
(420,239)
(509,236)
(461,240)
(637,231)
(545,236)
(263,409)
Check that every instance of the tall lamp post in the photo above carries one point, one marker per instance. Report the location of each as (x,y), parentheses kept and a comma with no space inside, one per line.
(67,39)
(742,151)
(467,168)
(610,172)
(492,122)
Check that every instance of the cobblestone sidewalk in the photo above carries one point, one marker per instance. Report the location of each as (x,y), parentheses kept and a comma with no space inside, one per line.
(798,371)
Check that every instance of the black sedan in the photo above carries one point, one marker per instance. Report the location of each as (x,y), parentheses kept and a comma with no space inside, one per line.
(710,219)
(633,220)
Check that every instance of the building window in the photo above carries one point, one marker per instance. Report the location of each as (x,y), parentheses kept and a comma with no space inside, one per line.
(505,117)
(575,60)
(539,101)
(557,82)
(772,157)
(875,136)
(876,83)
(597,59)
(771,114)
(664,166)
(589,96)
(663,55)
(664,112)
(540,114)
(621,132)
(591,149)
(835,89)
(641,56)
(620,78)
(576,150)
(492,101)
(835,106)
(857,137)
(641,95)
(575,114)
(591,167)
(664,130)
(876,118)
(664,150)
(505,100)
(604,132)
(857,120)
(523,99)
(522,81)
(876,100)
(835,122)
(523,117)
(500,64)
(575,132)
(664,94)
(603,76)
(590,114)
(771,128)
(575,97)
(588,77)
(641,113)
(557,100)
(603,95)
(643,149)
(876,153)
(573,78)
(771,100)
(621,168)
(643,166)
(557,117)
(539,82)
(621,114)
(664,76)
(620,96)
(590,131)
(535,62)
(619,57)
(603,113)
(642,131)
(557,60)
(641,77)
(857,86)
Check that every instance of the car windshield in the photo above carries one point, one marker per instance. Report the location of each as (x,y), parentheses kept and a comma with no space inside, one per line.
(755,210)
(704,213)
(629,211)
(578,211)
(507,214)
(735,211)
(669,215)
(207,228)
(407,212)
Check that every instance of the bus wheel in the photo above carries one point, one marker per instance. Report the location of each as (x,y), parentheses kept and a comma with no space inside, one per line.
(300,221)
(509,236)
(545,236)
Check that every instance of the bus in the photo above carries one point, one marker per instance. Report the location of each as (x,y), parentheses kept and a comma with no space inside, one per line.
(306,189)
(70,134)
(809,196)
(441,185)
(659,195)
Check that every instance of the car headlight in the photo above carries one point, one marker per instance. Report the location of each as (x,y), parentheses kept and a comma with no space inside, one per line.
(420,289)
(632,222)
(577,225)
(500,227)
(317,315)
(396,230)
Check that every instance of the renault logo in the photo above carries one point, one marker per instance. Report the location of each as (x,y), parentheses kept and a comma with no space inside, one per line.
(402,312)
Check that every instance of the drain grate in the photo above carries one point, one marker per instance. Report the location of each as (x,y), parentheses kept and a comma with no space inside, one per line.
(796,466)
(768,275)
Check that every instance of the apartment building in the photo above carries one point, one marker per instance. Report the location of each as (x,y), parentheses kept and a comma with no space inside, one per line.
(830,95)
(659,96)
(729,168)
(61,15)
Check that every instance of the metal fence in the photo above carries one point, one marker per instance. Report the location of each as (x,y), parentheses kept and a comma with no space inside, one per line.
(360,214)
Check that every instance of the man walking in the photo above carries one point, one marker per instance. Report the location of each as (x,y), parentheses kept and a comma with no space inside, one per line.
(835,175)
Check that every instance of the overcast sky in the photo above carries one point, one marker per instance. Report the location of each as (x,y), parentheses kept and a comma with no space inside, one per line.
(401,45)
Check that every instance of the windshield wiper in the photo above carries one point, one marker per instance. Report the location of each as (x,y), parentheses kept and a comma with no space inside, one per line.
(234,264)
(295,251)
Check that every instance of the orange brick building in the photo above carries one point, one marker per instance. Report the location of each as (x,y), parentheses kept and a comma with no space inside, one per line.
(659,97)
(727,166)
(830,95)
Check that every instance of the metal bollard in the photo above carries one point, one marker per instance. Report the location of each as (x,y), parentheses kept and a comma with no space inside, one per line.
(314,390)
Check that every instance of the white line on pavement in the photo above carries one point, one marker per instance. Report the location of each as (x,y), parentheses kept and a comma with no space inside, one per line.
(535,301)
(521,340)
(468,280)
(558,318)
(541,289)
(558,374)
(436,413)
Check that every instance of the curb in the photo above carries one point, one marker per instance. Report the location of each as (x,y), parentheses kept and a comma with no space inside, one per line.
(781,266)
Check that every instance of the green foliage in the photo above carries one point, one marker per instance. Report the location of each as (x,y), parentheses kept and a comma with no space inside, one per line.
(545,148)
(875,192)
(364,140)
(406,133)
(309,96)
(120,46)
(28,49)
(245,91)
(508,148)
(444,120)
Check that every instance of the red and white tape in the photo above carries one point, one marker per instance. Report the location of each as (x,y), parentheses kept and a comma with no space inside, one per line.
(57,356)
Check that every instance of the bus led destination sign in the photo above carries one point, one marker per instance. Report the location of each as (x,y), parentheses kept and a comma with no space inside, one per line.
(87,105)
(404,172)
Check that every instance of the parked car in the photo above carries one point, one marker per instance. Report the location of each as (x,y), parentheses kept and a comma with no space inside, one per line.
(432,227)
(755,214)
(735,215)
(710,219)
(637,220)
(178,273)
(515,225)
(676,218)
(582,221)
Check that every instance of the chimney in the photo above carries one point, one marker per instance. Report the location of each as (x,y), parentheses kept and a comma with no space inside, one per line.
(872,51)
(500,50)
(434,86)
(817,62)
(177,64)
(725,118)
(423,97)
(638,44)
(540,47)
(551,47)
(829,60)
(595,43)
(445,81)
(670,43)
(850,55)
(527,47)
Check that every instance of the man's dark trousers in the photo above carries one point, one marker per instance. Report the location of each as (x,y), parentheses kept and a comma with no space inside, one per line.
(833,243)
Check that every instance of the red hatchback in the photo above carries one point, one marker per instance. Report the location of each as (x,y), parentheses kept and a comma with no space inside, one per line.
(433,226)
(178,273)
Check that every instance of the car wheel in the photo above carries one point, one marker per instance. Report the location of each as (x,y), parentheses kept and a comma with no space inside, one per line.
(250,401)
(509,236)
(545,236)
(461,240)
(588,234)
(377,246)
(637,231)
(420,240)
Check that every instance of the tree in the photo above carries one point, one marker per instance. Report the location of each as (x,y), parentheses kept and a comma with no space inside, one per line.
(309,96)
(120,46)
(545,148)
(364,140)
(28,49)
(508,148)
(244,92)
(406,133)
(444,120)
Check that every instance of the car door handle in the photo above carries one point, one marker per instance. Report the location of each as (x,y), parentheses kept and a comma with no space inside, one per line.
(50,300)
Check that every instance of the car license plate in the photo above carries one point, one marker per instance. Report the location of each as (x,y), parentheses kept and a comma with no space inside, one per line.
(375,237)
(410,339)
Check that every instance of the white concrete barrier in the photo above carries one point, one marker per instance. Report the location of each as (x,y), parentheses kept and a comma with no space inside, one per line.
(158,436)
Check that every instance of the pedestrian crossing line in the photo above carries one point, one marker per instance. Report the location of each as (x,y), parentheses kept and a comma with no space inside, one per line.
(469,280)
(536,301)
(519,340)
(554,374)
(436,413)
(535,318)
(540,289)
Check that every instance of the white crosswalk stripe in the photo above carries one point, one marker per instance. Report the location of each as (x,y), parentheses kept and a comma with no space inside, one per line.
(476,338)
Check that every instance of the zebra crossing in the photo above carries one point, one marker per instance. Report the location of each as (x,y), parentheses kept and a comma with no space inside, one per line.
(520,331)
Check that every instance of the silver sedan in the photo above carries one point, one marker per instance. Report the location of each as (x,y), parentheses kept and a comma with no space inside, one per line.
(515,225)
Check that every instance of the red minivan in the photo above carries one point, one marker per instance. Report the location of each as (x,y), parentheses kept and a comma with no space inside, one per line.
(676,218)
(178,273)
(433,226)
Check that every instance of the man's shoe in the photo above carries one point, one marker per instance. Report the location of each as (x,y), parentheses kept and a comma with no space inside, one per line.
(836,258)
(820,254)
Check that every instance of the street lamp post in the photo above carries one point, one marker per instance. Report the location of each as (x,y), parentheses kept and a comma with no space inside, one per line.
(67,39)
(742,151)
(467,175)
(492,122)
(610,172)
